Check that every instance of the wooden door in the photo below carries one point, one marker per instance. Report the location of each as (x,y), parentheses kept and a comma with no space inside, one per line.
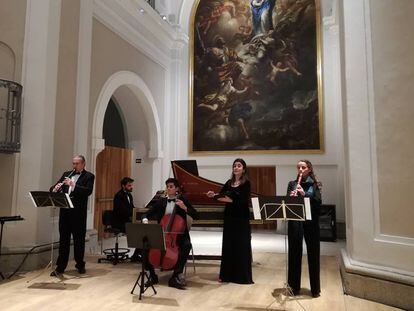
(263,181)
(112,164)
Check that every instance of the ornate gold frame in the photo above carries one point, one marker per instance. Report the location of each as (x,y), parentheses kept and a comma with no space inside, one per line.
(320,95)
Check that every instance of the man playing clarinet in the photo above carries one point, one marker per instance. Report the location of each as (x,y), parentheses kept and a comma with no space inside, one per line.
(78,183)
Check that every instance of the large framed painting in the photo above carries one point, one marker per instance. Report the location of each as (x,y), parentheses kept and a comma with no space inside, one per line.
(255,78)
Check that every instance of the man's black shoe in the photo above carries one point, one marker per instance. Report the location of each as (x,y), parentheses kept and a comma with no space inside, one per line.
(81,270)
(182,280)
(56,274)
(316,294)
(175,282)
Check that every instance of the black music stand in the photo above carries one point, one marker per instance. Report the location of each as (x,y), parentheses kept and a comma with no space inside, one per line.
(282,208)
(144,236)
(3,219)
(54,200)
(51,199)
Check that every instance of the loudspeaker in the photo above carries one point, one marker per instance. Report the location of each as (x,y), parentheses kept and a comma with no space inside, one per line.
(327,223)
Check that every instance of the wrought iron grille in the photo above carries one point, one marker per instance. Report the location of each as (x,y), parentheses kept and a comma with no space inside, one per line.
(10,116)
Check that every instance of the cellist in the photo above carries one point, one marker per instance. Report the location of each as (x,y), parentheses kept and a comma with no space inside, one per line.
(166,206)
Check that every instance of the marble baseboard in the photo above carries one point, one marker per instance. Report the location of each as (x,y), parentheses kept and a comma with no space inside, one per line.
(393,289)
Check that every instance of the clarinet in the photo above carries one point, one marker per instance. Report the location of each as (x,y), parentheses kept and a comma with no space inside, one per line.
(70,174)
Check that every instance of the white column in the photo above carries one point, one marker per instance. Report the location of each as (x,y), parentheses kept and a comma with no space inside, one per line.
(180,75)
(367,250)
(39,79)
(83,78)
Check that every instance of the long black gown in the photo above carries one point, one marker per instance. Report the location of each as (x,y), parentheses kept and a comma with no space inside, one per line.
(236,253)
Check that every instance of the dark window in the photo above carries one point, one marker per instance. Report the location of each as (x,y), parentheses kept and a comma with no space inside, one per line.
(113,127)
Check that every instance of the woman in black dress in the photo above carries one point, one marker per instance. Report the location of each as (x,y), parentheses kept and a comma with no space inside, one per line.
(305,185)
(236,253)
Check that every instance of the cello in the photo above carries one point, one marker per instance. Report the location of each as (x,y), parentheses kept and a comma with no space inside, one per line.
(173,225)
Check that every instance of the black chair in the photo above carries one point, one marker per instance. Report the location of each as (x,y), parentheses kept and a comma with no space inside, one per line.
(327,222)
(116,254)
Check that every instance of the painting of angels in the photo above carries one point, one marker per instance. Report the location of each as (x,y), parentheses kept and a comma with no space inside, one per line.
(255,83)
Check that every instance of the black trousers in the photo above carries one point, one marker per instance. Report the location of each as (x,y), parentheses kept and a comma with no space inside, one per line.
(184,244)
(296,231)
(71,222)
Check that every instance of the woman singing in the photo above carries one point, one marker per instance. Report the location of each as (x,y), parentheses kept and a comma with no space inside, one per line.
(236,252)
(305,185)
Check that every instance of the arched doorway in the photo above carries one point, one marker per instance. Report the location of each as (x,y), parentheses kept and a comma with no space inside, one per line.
(112,163)
(138,118)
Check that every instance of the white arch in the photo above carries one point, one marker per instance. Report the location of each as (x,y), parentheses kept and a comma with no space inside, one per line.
(144,96)
(146,100)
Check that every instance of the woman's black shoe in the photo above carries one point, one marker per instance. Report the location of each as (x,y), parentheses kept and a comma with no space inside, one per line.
(56,273)
(316,295)
(82,270)
(295,292)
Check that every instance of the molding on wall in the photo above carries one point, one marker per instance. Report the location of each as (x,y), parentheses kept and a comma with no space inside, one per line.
(98,144)
(371,121)
(83,78)
(376,285)
(376,271)
(385,238)
(147,32)
(332,20)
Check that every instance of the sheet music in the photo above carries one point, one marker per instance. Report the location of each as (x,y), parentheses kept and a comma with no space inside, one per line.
(308,209)
(256,208)
(280,207)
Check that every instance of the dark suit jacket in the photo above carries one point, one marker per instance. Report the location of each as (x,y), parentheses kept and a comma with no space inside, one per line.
(122,210)
(157,211)
(79,196)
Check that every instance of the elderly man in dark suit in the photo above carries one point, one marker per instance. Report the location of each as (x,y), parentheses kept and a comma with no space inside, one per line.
(78,183)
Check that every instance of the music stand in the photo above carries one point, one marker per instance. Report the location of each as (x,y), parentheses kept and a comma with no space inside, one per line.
(54,200)
(144,236)
(282,208)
